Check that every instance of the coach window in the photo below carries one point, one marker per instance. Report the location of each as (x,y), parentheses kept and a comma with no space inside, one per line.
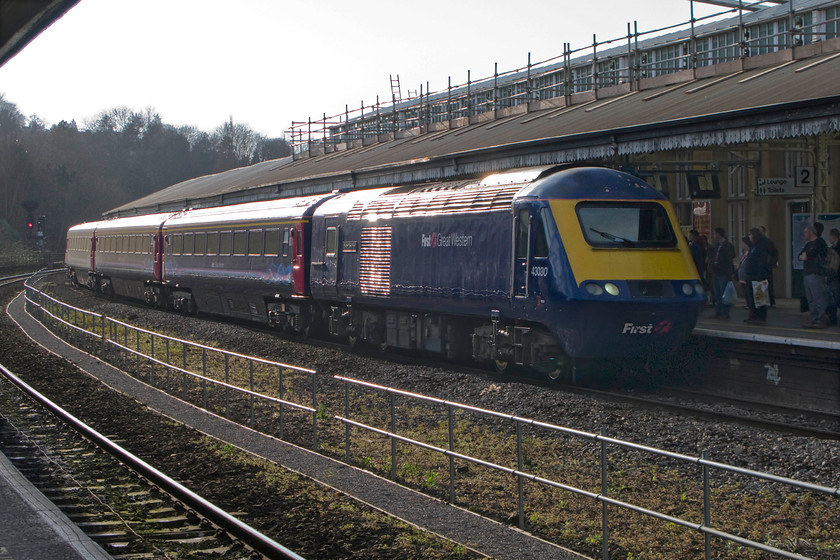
(255,242)
(240,242)
(299,242)
(272,242)
(331,245)
(213,243)
(123,244)
(200,243)
(177,244)
(189,243)
(225,243)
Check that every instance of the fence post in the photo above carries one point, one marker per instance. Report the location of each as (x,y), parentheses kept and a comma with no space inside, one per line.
(605,520)
(251,387)
(152,361)
(204,374)
(346,425)
(520,466)
(315,413)
(184,368)
(227,382)
(280,392)
(451,422)
(707,506)
(168,356)
(393,440)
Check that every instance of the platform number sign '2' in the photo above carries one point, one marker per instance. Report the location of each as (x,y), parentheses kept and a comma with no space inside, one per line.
(805,177)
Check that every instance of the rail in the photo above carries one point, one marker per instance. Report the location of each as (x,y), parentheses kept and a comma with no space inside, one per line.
(588,68)
(241,530)
(111,331)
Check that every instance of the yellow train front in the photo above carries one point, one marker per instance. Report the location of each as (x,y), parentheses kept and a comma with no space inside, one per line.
(600,262)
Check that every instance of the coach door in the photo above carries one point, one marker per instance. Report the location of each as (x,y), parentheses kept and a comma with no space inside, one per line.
(158,255)
(296,238)
(331,255)
(521,252)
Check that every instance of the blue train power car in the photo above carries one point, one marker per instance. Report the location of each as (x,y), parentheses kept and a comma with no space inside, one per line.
(528,267)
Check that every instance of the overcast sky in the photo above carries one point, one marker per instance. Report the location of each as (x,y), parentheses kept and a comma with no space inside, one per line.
(266,63)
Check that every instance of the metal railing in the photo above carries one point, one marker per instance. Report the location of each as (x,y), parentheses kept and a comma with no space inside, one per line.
(162,356)
(596,66)
(155,351)
(603,442)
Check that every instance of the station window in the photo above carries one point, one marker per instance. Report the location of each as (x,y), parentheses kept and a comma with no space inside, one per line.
(213,243)
(272,242)
(225,243)
(255,242)
(240,242)
(200,245)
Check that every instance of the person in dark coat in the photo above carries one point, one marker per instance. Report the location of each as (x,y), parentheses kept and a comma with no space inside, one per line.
(834,278)
(723,253)
(813,256)
(755,270)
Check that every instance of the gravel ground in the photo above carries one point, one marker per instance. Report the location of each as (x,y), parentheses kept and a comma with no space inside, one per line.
(808,459)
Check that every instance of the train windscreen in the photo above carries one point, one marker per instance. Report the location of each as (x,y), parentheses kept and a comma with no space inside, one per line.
(626,225)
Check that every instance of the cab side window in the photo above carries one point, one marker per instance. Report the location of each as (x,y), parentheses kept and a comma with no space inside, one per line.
(542,244)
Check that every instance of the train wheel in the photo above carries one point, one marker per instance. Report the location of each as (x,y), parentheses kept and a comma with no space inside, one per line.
(502,366)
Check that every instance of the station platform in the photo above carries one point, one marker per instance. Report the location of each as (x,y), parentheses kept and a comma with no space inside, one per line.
(780,363)
(32,527)
(784,326)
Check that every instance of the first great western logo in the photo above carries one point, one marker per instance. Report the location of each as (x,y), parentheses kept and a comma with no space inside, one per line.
(436,239)
(662,327)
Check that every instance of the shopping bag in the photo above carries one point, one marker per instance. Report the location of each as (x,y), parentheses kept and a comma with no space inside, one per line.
(730,294)
(760,295)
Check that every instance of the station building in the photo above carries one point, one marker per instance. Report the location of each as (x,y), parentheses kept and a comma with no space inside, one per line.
(736,118)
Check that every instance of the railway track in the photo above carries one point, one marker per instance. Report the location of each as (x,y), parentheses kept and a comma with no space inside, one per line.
(677,400)
(121,502)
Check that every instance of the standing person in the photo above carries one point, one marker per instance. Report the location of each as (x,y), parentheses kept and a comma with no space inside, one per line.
(722,270)
(816,290)
(834,277)
(755,270)
(698,253)
(772,262)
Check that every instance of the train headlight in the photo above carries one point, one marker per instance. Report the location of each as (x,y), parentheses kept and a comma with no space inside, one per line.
(687,289)
(594,289)
(611,288)
(698,289)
